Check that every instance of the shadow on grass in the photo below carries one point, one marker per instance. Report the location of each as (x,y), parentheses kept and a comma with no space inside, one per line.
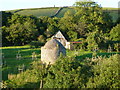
(11,63)
(12,67)
(89,55)
(81,57)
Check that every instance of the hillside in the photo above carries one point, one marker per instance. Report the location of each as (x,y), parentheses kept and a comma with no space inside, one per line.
(51,11)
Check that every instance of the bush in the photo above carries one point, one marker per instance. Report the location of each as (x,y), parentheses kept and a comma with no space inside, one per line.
(35,44)
(67,72)
(106,73)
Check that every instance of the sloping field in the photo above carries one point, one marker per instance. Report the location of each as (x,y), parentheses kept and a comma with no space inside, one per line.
(62,12)
(37,11)
(51,11)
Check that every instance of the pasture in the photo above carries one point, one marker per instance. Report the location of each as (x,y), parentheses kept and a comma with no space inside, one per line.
(10,61)
(50,11)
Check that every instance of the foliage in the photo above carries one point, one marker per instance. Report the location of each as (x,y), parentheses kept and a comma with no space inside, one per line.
(12,63)
(35,44)
(115,33)
(95,40)
(67,26)
(106,73)
(73,26)
(28,79)
(41,38)
(115,36)
(66,73)
(5,17)
(90,15)
(118,21)
(22,30)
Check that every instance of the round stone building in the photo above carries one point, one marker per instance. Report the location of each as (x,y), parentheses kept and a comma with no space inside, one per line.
(51,51)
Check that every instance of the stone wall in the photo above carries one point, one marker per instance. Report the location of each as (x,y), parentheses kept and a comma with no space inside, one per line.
(49,55)
(51,51)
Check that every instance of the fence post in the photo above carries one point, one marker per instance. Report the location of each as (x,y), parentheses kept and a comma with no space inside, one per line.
(34,56)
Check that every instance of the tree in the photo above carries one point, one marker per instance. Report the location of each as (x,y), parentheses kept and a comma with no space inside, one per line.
(95,40)
(5,17)
(67,73)
(22,30)
(115,33)
(90,15)
(115,36)
(67,25)
(106,73)
(117,21)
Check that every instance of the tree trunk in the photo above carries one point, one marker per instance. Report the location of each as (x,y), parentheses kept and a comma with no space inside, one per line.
(41,83)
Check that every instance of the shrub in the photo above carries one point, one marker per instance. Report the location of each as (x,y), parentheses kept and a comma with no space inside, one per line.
(35,44)
(67,73)
(106,73)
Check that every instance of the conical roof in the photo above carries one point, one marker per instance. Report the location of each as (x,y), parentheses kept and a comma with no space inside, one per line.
(53,43)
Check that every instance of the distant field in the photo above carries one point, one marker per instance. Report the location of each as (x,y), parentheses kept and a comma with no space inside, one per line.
(113,12)
(39,12)
(62,12)
(36,11)
(52,11)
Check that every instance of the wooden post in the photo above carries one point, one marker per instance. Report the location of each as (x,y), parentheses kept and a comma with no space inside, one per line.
(18,56)
(34,56)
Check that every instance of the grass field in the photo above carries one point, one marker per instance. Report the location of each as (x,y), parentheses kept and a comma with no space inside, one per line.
(39,12)
(52,10)
(12,63)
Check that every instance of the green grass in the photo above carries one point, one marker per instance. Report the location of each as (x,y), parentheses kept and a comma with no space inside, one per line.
(12,63)
(64,10)
(109,8)
(37,11)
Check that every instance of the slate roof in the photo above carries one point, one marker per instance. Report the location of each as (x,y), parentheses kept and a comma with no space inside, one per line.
(59,35)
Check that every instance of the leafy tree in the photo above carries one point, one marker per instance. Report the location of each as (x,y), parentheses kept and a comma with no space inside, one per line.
(117,21)
(72,35)
(67,73)
(51,30)
(95,40)
(5,41)
(66,24)
(5,17)
(106,73)
(90,15)
(115,36)
(115,33)
(21,30)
